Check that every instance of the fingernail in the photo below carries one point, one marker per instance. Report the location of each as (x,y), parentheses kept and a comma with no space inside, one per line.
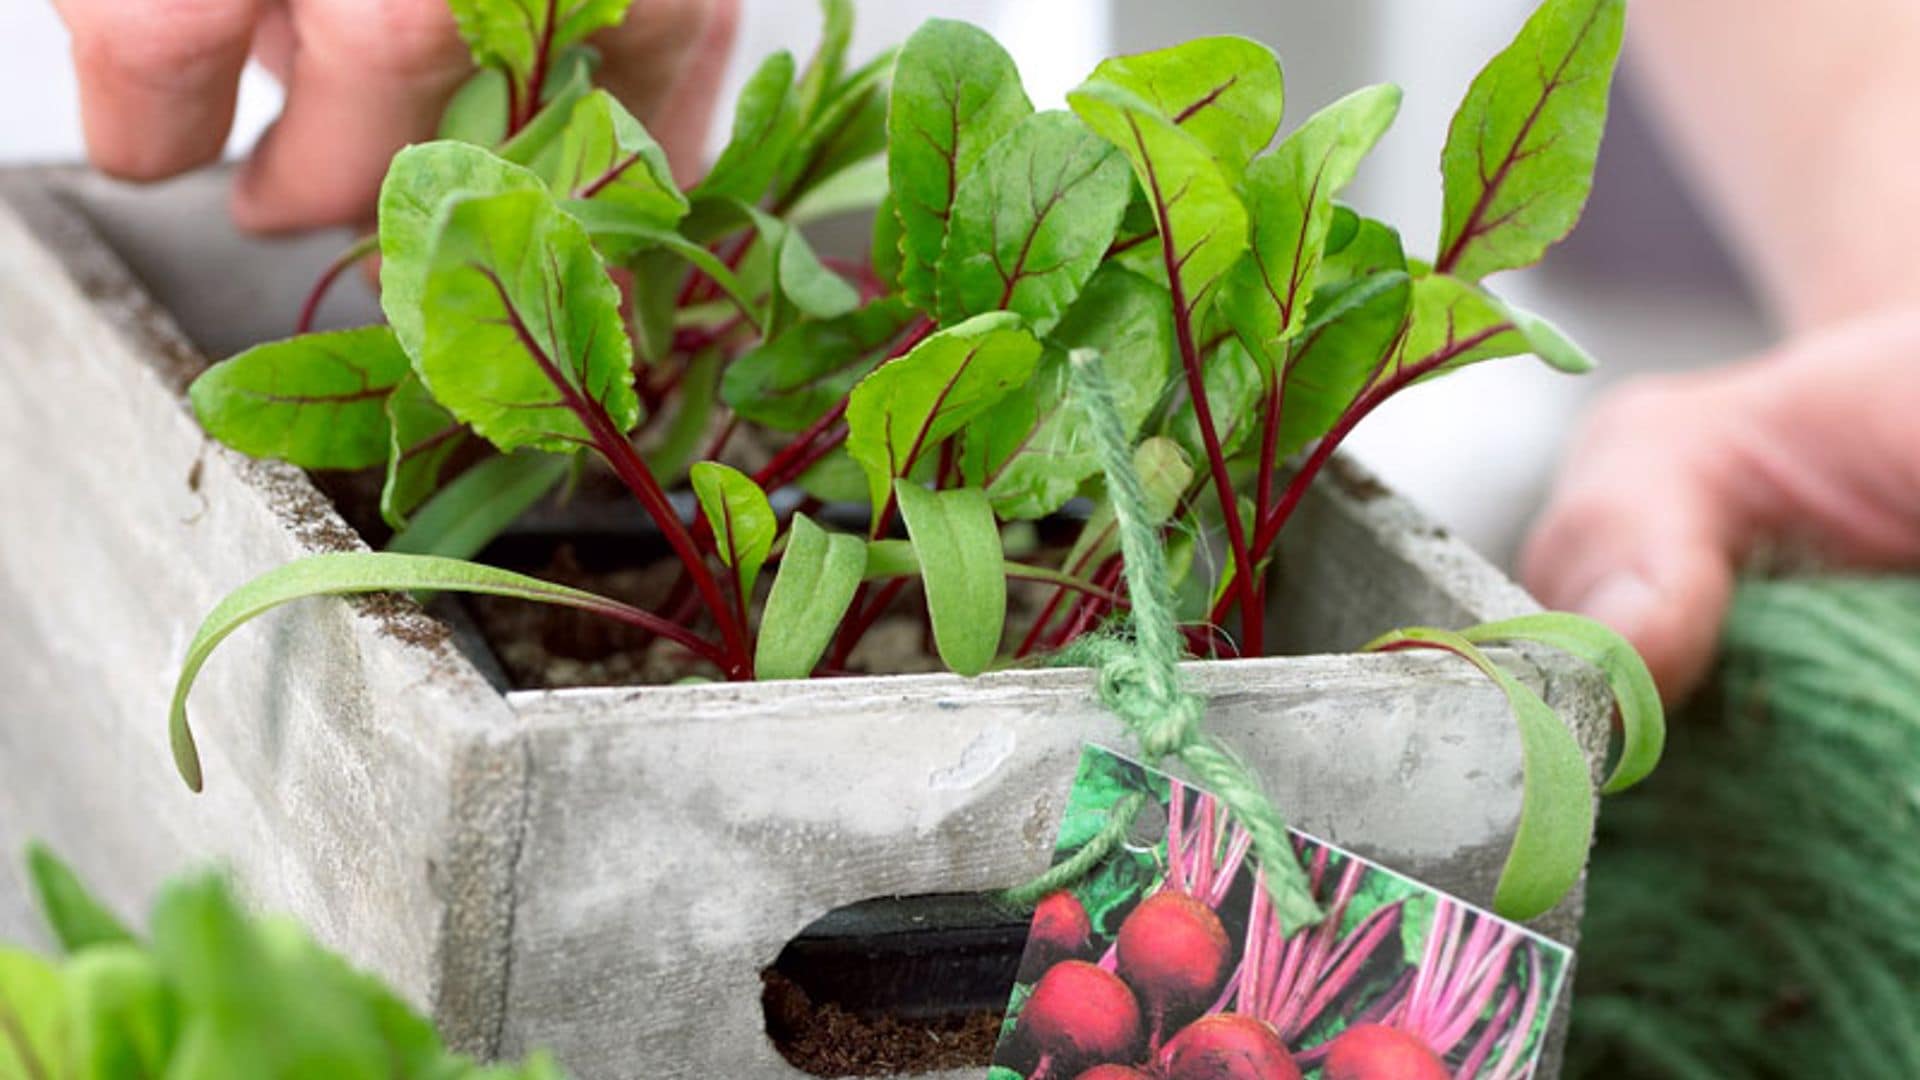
(1623,600)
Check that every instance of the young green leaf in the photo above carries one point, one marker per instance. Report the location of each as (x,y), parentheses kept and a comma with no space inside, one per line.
(819,573)
(419,181)
(521,35)
(1030,452)
(610,158)
(524,339)
(358,572)
(788,382)
(1556,803)
(1519,157)
(743,522)
(962,569)
(460,521)
(1374,248)
(1350,330)
(692,419)
(126,1022)
(906,408)
(1289,196)
(1226,92)
(1032,222)
(477,113)
(955,93)
(800,278)
(861,185)
(822,72)
(765,124)
(421,436)
(1203,227)
(1235,384)
(1455,323)
(1642,720)
(1165,474)
(886,250)
(538,143)
(77,919)
(318,400)
(849,127)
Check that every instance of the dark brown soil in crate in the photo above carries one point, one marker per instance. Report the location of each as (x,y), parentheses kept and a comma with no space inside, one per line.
(829,1040)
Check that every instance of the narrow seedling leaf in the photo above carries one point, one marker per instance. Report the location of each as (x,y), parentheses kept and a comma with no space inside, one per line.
(823,69)
(955,93)
(77,919)
(539,143)
(318,400)
(800,278)
(766,121)
(1556,806)
(1032,222)
(962,570)
(743,522)
(465,516)
(516,34)
(907,408)
(847,130)
(1519,159)
(819,573)
(358,572)
(1643,722)
(1289,196)
(524,339)
(1226,92)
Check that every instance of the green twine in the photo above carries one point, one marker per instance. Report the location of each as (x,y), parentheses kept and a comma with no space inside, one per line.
(1753,910)
(1140,681)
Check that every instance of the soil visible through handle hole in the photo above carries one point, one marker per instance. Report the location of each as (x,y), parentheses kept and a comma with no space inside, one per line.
(896,986)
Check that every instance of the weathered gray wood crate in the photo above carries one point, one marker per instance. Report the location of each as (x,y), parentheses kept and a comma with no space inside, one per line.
(603,872)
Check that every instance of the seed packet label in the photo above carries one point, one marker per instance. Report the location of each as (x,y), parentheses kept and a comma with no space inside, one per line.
(1166,962)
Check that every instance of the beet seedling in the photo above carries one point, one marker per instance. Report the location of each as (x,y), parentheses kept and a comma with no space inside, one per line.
(554,300)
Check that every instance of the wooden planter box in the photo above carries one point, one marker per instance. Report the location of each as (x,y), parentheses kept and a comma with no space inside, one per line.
(602,872)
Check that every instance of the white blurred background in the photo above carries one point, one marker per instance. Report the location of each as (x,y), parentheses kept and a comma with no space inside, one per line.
(1642,283)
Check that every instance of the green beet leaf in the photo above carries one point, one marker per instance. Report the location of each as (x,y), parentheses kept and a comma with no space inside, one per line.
(77,919)
(1165,474)
(1236,383)
(801,280)
(743,522)
(524,339)
(126,1018)
(788,382)
(419,182)
(819,573)
(318,400)
(421,436)
(823,69)
(607,156)
(849,127)
(955,93)
(1455,323)
(1374,248)
(962,569)
(1519,158)
(905,409)
(1202,224)
(34,1036)
(539,143)
(1351,328)
(1556,804)
(466,515)
(518,35)
(1031,452)
(1226,92)
(1032,222)
(1289,197)
(766,121)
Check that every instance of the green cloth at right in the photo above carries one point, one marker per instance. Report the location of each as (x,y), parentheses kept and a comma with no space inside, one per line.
(1753,909)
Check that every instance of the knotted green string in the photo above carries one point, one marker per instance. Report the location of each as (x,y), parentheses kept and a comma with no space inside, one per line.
(1140,681)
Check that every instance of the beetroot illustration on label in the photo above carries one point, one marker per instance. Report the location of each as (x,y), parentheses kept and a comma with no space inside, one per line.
(1166,961)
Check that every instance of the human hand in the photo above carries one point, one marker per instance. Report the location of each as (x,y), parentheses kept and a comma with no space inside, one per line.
(1675,480)
(158,79)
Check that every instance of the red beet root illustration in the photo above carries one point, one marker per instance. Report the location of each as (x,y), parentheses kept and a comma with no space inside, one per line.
(1113,1072)
(1173,952)
(1061,931)
(1226,1046)
(1079,1015)
(1378,1052)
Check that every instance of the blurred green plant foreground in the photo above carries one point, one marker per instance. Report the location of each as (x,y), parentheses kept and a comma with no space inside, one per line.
(211,992)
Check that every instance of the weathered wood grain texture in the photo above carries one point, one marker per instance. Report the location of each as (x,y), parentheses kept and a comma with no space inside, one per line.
(601,872)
